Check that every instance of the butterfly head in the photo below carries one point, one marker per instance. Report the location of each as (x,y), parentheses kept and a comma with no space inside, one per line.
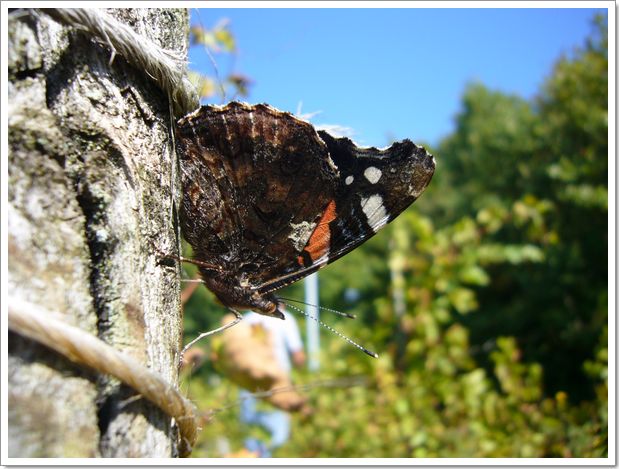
(267,305)
(240,296)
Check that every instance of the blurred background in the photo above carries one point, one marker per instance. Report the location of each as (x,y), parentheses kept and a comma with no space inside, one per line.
(487,300)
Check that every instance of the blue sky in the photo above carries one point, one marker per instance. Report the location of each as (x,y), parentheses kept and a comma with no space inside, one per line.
(388,74)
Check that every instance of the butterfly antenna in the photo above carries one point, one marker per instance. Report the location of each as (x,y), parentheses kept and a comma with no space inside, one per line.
(339,334)
(346,315)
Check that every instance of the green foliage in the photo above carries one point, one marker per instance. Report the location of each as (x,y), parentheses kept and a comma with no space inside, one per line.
(501,348)
(445,408)
(535,175)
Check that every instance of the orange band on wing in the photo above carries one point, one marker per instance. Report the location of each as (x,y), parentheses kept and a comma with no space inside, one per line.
(318,244)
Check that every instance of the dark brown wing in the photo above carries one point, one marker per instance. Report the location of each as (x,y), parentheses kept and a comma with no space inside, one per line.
(255,182)
(268,200)
(374,187)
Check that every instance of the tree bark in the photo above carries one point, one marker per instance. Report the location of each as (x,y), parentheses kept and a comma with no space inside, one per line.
(93,191)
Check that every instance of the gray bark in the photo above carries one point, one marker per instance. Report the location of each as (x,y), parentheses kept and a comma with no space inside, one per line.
(92,195)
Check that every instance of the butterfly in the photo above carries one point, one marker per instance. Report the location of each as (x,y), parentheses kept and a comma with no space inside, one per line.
(268,199)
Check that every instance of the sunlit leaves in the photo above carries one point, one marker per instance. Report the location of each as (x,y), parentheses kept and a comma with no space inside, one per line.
(205,85)
(474,275)
(216,41)
(587,196)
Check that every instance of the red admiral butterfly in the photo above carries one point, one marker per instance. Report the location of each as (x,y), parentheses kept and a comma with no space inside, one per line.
(267,200)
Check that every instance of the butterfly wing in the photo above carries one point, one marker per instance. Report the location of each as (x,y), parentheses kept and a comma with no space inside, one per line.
(255,181)
(267,200)
(374,186)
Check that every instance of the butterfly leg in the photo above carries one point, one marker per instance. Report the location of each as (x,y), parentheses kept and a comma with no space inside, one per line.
(197,262)
(206,334)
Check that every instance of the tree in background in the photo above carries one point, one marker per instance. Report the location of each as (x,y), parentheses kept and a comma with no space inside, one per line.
(535,174)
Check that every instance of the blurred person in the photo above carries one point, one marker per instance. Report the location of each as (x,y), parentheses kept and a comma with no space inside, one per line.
(287,349)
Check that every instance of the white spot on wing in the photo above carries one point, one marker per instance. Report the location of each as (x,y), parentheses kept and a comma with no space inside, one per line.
(301,233)
(193,128)
(375,211)
(348,181)
(275,131)
(251,119)
(372,174)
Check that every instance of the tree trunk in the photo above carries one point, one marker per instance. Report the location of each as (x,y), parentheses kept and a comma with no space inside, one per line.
(93,191)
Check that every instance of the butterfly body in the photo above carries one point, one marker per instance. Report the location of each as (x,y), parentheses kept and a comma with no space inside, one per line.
(267,199)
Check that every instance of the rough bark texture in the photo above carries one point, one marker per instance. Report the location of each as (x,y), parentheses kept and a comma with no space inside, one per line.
(92,194)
